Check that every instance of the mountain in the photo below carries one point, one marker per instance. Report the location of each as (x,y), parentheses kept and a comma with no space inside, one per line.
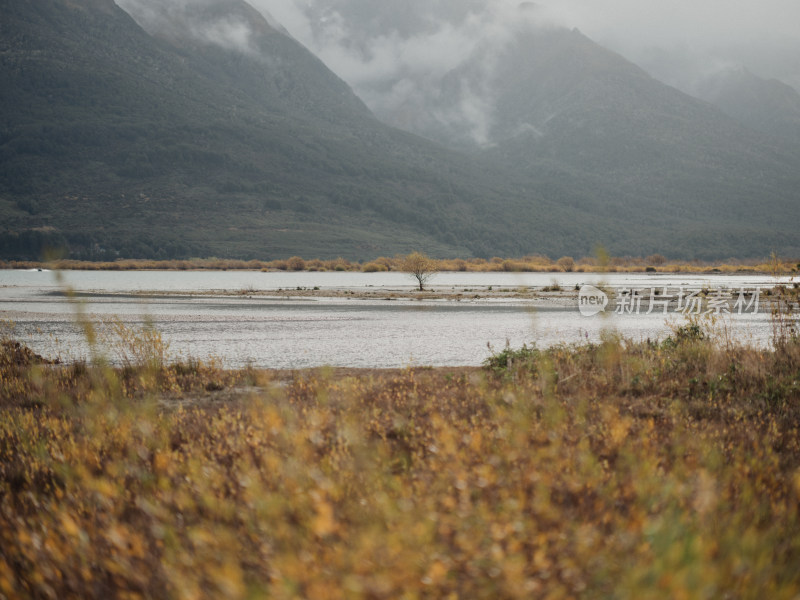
(234,47)
(767,105)
(199,128)
(224,137)
(552,102)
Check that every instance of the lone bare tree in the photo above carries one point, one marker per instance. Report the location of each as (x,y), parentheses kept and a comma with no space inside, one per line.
(420,267)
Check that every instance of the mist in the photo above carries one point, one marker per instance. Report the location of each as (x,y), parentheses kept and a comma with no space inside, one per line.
(230,25)
(370,43)
(682,42)
(427,66)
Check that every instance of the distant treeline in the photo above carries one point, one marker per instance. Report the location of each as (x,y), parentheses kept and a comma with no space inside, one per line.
(534,264)
(47,243)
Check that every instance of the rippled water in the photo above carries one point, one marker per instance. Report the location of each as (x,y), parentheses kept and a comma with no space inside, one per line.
(285,332)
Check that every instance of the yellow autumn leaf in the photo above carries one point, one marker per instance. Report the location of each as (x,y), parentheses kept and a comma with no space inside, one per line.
(323,523)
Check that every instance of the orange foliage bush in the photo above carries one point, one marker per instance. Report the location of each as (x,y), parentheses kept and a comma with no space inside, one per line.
(619,469)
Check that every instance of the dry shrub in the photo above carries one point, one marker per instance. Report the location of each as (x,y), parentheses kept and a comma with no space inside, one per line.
(132,346)
(373,267)
(295,263)
(459,265)
(656,260)
(538,259)
(340,264)
(566,263)
(14,354)
(618,469)
(529,263)
(389,263)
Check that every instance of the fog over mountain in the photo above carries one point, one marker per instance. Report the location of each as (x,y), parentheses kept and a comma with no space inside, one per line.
(173,128)
(226,24)
(683,42)
(769,106)
(387,50)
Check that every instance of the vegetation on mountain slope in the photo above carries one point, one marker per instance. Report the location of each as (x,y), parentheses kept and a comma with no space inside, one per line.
(118,143)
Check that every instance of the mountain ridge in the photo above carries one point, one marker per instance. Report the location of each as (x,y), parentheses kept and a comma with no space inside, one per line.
(164,134)
(766,105)
(558,102)
(119,142)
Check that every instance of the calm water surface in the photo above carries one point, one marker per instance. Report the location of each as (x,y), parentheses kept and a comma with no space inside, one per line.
(285,332)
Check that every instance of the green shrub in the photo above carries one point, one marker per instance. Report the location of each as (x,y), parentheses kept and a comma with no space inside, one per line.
(509,359)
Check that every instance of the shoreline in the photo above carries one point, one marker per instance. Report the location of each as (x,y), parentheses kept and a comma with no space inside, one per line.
(540,265)
(566,296)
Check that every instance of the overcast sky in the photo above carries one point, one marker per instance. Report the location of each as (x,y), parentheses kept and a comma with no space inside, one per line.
(762,36)
(676,40)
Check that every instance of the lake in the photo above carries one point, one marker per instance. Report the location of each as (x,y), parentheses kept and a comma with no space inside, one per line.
(252,318)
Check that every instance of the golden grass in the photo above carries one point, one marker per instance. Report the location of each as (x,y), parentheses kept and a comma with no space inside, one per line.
(618,470)
(535,263)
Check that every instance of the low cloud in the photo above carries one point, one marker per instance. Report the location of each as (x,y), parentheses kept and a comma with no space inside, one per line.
(395,55)
(365,41)
(199,20)
(683,41)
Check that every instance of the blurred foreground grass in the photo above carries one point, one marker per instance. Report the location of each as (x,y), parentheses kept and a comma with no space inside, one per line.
(618,470)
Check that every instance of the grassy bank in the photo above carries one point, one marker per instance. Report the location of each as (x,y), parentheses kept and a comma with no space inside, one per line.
(532,264)
(617,470)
